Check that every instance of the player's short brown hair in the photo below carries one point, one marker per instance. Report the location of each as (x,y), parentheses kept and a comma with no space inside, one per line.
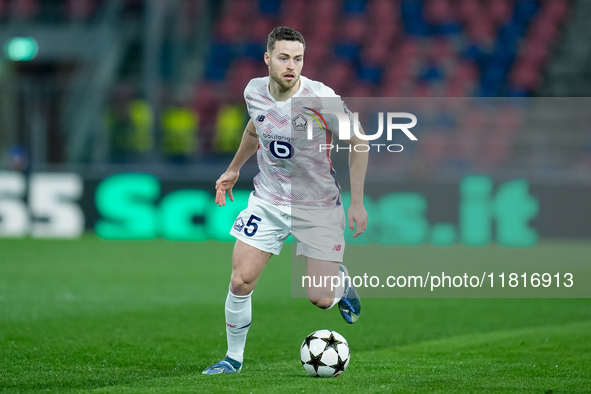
(284,33)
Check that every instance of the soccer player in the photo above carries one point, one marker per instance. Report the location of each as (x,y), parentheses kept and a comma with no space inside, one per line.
(314,214)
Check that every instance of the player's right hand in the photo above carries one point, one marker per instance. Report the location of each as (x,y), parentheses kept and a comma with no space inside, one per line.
(225,184)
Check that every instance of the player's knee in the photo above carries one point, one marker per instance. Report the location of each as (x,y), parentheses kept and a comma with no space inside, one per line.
(322,303)
(241,286)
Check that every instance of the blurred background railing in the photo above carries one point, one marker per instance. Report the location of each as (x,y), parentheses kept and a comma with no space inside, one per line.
(98,86)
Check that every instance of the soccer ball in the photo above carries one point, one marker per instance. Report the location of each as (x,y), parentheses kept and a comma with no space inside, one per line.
(325,353)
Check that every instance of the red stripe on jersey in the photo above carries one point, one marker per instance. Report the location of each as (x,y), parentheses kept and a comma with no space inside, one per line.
(320,116)
(328,141)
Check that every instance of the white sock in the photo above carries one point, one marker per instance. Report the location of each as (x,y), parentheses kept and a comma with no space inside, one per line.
(238,318)
(339,291)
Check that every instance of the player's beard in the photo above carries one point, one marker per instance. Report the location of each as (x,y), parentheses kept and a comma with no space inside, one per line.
(285,85)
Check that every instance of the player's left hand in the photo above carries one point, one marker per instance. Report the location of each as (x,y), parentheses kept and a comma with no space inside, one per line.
(224,184)
(357,216)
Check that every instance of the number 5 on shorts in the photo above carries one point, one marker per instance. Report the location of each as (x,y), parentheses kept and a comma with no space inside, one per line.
(251,224)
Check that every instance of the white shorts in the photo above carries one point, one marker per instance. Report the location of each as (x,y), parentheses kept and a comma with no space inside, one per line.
(319,231)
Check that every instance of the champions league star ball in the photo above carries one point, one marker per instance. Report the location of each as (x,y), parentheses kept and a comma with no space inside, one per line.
(325,353)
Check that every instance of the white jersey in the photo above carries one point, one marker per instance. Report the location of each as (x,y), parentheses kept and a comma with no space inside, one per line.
(292,168)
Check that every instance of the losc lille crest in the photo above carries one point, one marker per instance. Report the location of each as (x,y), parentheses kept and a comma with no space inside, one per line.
(300,123)
(239,224)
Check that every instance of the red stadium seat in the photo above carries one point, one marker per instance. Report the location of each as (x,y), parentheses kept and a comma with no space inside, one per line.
(465,72)
(557,10)
(499,11)
(294,9)
(534,52)
(339,75)
(354,29)
(434,147)
(384,12)
(399,72)
(295,23)
(425,90)
(239,8)
(410,50)
(206,102)
(313,65)
(388,91)
(81,9)
(468,10)
(324,32)
(293,14)
(402,89)
(227,30)
(438,11)
(456,87)
(375,54)
(314,54)
(385,33)
(481,29)
(313,71)
(524,76)
(455,90)
(4,8)
(259,30)
(240,72)
(238,14)
(360,90)
(441,50)
(326,8)
(25,9)
(543,29)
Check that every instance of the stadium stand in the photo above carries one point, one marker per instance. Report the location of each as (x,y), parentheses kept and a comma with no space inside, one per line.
(405,48)
(203,52)
(433,47)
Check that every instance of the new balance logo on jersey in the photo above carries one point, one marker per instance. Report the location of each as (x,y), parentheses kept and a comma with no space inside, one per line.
(261,118)
(336,248)
(239,224)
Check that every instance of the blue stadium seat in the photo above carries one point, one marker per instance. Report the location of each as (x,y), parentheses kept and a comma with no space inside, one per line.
(347,50)
(431,72)
(493,76)
(220,57)
(270,7)
(254,50)
(446,29)
(525,9)
(370,73)
(354,7)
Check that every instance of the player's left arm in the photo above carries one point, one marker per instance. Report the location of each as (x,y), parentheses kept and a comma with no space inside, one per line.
(357,168)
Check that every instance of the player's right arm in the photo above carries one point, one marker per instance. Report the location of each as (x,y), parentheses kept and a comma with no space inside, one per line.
(248,147)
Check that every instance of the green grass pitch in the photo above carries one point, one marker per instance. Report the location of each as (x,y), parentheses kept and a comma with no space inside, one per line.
(102,316)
